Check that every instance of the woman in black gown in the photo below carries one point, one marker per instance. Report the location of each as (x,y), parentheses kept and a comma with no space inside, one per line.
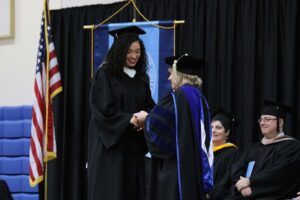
(117,146)
(225,153)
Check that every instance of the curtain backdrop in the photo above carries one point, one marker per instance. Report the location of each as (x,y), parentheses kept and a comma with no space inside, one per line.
(251,50)
(252,53)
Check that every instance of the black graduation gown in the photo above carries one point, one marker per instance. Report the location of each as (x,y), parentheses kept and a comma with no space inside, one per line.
(276,173)
(116,168)
(163,183)
(223,160)
(4,191)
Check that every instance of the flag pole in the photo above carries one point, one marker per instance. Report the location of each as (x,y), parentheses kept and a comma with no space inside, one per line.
(47,89)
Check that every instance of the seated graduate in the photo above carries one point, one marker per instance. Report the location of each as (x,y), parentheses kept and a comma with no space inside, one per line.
(269,169)
(177,132)
(225,153)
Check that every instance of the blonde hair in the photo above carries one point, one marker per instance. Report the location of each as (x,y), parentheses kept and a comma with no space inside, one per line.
(182,78)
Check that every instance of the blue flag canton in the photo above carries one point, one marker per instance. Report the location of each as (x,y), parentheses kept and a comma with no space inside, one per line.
(41,49)
(41,56)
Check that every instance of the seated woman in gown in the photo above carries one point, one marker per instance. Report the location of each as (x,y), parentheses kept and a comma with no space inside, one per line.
(225,153)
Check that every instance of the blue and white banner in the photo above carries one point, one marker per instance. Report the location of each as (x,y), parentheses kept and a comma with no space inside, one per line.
(159,43)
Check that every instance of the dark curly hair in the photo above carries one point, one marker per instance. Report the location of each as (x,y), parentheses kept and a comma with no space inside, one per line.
(116,56)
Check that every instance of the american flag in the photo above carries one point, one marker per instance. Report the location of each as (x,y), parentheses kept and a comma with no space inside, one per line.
(47,84)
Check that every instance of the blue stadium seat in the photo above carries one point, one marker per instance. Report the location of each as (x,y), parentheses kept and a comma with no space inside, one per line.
(19,184)
(15,112)
(14,166)
(15,129)
(14,147)
(26,196)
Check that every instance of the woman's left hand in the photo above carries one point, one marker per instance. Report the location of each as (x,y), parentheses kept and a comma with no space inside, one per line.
(140,116)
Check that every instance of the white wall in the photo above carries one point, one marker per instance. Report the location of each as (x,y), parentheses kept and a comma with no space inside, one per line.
(18,55)
(74,3)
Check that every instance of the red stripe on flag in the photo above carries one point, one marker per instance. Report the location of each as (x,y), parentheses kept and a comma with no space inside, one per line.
(38,162)
(55,86)
(52,55)
(39,98)
(37,128)
(53,71)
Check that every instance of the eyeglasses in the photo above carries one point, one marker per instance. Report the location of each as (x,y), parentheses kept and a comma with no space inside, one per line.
(265,120)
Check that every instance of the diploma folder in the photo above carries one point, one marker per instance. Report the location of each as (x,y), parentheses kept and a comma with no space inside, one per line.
(250,168)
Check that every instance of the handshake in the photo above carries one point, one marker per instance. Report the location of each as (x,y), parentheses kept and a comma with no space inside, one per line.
(138,119)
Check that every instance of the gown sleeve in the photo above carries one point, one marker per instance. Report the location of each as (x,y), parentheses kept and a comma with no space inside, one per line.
(110,122)
(160,129)
(239,168)
(150,102)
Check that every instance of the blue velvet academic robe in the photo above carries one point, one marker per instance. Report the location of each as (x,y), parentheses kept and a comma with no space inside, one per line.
(179,168)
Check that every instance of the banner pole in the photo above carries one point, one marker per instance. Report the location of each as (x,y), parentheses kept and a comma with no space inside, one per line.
(86,27)
(92,53)
(134,12)
(91,28)
(179,21)
(174,39)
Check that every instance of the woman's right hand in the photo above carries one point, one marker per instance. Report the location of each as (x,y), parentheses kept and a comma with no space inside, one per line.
(134,121)
(138,120)
(141,116)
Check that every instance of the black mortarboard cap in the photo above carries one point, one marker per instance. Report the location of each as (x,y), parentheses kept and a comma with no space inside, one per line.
(227,119)
(186,64)
(275,109)
(126,31)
